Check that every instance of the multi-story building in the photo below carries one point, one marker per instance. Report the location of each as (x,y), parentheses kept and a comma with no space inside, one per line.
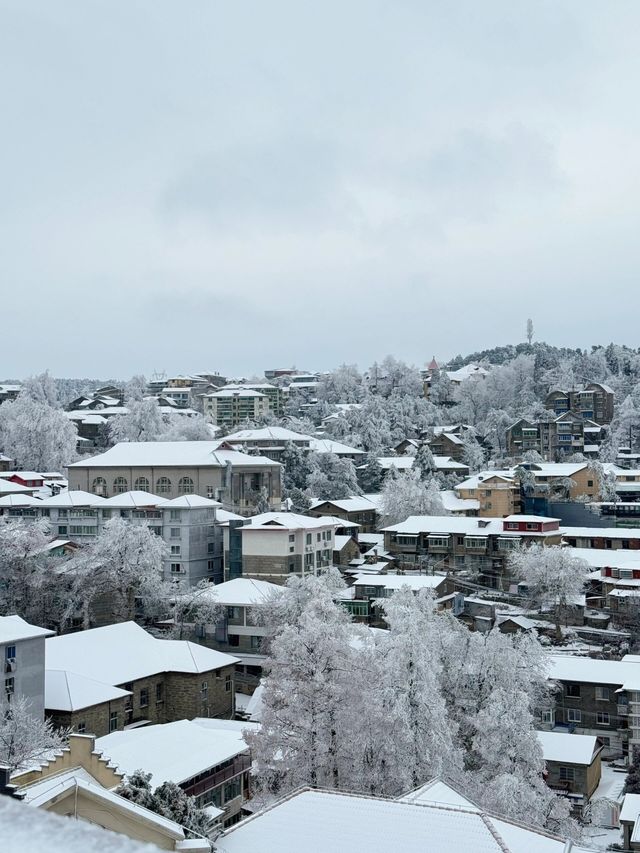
(275,394)
(273,546)
(22,656)
(498,495)
(478,545)
(158,680)
(554,439)
(593,402)
(273,441)
(171,469)
(209,759)
(363,510)
(230,407)
(187,524)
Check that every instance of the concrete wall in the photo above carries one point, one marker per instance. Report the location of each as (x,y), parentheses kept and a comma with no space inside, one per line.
(28,675)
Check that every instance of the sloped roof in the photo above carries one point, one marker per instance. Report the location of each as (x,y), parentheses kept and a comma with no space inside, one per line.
(75,497)
(171,454)
(567,748)
(118,654)
(15,628)
(68,691)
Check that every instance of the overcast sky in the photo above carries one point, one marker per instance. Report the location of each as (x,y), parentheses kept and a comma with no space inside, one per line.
(242,185)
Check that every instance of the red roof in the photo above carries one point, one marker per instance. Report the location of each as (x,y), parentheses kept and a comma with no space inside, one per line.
(433,364)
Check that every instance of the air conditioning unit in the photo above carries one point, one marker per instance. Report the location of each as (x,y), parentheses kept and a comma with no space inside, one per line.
(10,665)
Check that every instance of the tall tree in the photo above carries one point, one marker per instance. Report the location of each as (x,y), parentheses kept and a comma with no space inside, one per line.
(405,494)
(39,437)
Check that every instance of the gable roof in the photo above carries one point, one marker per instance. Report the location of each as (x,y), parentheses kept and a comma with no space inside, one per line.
(170,454)
(568,748)
(15,628)
(118,654)
(68,691)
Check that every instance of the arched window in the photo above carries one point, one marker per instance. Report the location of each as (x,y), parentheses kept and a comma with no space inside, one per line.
(120,485)
(163,485)
(99,487)
(185,486)
(141,484)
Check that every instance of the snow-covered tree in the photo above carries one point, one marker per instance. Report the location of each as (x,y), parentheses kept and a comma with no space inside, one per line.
(343,385)
(143,422)
(423,741)
(136,388)
(181,428)
(332,478)
(423,462)
(371,476)
(168,800)
(472,455)
(25,739)
(301,738)
(529,331)
(405,494)
(553,575)
(37,436)
(41,389)
(124,563)
(297,466)
(194,605)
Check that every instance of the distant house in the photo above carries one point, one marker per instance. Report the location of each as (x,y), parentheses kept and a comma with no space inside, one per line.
(593,402)
(359,509)
(572,764)
(273,441)
(101,680)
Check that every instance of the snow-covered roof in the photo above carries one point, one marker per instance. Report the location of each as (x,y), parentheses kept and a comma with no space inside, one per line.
(522,621)
(601,532)
(401,463)
(447,524)
(630,808)
(241,592)
(589,670)
(118,654)
(20,500)
(567,748)
(131,500)
(190,502)
(437,792)
(24,475)
(171,454)
(172,752)
(8,487)
(615,558)
(452,503)
(318,821)
(41,831)
(357,503)
(531,519)
(224,515)
(340,522)
(328,445)
(269,433)
(68,691)
(75,497)
(284,521)
(390,581)
(15,628)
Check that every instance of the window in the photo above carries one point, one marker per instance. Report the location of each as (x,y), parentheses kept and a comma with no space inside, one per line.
(589,483)
(292,537)
(120,485)
(233,612)
(573,690)
(141,484)
(256,643)
(62,530)
(163,485)
(144,697)
(602,718)
(159,692)
(113,721)
(204,691)
(185,486)
(602,694)
(232,790)
(574,715)
(318,537)
(174,533)
(10,653)
(175,550)
(227,684)
(9,687)
(99,487)
(549,716)
(175,515)
(308,539)
(234,640)
(176,568)
(81,728)
(567,774)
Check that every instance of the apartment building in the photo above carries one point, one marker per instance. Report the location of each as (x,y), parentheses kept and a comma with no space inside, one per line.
(478,545)
(230,407)
(363,510)
(158,680)
(275,394)
(186,523)
(273,546)
(273,441)
(22,656)
(594,402)
(171,469)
